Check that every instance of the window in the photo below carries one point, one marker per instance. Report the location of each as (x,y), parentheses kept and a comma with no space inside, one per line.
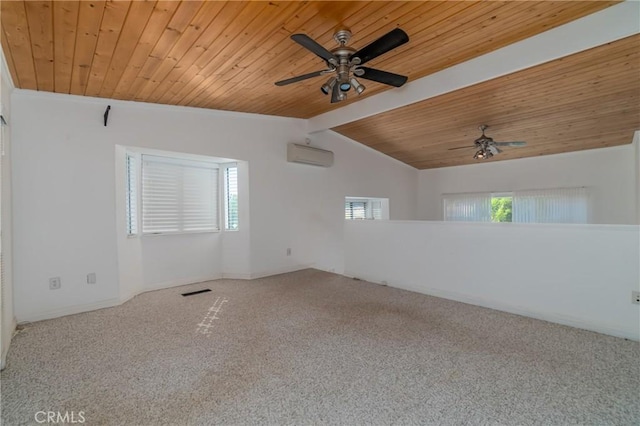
(356,208)
(178,195)
(132,194)
(231,198)
(501,208)
(467,207)
(564,205)
(558,205)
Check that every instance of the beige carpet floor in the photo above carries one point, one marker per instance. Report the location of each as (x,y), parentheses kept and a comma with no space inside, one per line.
(316,348)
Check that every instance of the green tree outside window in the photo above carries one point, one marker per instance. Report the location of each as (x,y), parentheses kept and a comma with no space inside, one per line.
(501,208)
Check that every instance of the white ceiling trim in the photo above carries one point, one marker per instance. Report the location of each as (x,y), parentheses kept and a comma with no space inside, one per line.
(611,24)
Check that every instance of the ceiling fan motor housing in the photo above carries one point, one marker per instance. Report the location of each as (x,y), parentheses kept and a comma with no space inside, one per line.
(342,37)
(483,141)
(343,53)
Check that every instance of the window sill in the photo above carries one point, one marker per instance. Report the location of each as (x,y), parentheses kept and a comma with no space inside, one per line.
(160,234)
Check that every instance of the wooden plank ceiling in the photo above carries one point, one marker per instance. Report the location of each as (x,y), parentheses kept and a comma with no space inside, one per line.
(227,55)
(587,100)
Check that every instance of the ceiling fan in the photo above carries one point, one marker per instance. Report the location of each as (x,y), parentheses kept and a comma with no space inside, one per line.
(487,148)
(344,63)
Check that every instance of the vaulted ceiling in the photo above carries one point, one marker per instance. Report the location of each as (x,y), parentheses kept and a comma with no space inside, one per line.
(227,55)
(587,100)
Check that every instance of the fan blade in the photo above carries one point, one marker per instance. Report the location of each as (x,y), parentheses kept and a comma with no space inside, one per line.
(310,44)
(494,149)
(518,143)
(387,42)
(300,78)
(462,147)
(335,93)
(384,77)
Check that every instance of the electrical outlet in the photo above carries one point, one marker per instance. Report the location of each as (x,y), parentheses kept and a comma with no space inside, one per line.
(288,252)
(91,278)
(54,283)
(635,297)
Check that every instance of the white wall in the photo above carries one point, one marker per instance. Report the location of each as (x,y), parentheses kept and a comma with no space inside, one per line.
(64,205)
(68,223)
(358,171)
(170,260)
(578,275)
(7,320)
(609,173)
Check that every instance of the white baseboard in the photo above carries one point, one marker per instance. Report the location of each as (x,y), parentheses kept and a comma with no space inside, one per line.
(126,297)
(236,276)
(263,274)
(609,329)
(279,271)
(330,270)
(68,310)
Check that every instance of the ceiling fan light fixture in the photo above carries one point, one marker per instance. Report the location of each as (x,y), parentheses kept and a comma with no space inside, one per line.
(345,86)
(482,154)
(359,88)
(328,86)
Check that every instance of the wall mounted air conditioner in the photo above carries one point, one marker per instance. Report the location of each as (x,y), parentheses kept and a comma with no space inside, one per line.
(309,155)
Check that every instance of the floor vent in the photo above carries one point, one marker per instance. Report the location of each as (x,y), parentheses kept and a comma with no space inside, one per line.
(191,293)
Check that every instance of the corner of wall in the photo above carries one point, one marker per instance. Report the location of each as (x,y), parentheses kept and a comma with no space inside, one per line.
(5,348)
(8,320)
(636,144)
(427,198)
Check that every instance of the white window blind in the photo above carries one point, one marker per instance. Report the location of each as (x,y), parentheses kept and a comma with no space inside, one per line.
(357,208)
(467,207)
(178,195)
(132,195)
(376,209)
(354,210)
(563,205)
(231,198)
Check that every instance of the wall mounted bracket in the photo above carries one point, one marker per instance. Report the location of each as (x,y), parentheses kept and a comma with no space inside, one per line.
(106,115)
